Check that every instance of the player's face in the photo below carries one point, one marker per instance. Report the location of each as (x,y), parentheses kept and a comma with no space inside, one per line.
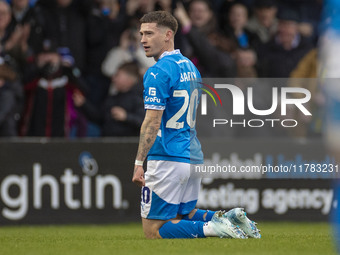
(153,39)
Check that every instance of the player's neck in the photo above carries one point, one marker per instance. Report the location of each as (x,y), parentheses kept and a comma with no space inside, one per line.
(169,47)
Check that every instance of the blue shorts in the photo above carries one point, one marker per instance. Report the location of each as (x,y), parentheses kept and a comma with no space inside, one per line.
(170,189)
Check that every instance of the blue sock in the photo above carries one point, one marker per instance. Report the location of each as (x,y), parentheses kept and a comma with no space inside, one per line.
(199,216)
(182,229)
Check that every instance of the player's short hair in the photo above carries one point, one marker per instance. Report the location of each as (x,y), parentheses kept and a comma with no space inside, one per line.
(161,18)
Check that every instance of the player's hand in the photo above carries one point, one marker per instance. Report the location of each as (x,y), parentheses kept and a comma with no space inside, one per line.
(138,176)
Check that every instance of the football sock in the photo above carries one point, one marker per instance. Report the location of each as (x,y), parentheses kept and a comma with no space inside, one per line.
(208,230)
(199,216)
(182,229)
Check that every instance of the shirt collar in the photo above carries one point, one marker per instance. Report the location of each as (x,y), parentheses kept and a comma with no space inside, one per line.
(166,53)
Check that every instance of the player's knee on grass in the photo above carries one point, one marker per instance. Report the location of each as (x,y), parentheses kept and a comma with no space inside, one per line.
(151,233)
(151,228)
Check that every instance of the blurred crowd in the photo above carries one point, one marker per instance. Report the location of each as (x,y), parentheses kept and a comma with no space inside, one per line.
(74,68)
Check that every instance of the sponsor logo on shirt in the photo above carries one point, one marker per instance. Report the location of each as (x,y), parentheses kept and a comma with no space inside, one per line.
(152,99)
(152,91)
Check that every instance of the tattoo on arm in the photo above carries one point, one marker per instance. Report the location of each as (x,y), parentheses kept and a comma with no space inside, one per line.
(148,133)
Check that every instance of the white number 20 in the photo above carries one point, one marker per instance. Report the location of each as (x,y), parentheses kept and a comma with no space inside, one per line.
(191,106)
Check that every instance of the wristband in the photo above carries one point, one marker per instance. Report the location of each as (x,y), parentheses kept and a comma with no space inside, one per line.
(139,163)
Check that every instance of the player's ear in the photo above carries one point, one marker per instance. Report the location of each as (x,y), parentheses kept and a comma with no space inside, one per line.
(168,35)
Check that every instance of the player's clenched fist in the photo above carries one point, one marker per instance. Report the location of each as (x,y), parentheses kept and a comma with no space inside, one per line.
(138,176)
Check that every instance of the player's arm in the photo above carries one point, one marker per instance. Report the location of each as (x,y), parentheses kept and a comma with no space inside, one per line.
(148,134)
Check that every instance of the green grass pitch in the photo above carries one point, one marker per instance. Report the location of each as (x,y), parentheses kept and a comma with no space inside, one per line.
(278,238)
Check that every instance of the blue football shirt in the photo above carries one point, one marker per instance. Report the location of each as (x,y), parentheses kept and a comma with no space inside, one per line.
(173,85)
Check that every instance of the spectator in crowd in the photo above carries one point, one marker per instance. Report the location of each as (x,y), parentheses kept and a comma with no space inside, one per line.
(27,17)
(164,5)
(310,12)
(246,42)
(11,97)
(222,8)
(279,57)
(109,47)
(204,44)
(13,43)
(122,112)
(236,28)
(5,19)
(65,25)
(137,8)
(129,49)
(98,36)
(105,23)
(49,107)
(264,22)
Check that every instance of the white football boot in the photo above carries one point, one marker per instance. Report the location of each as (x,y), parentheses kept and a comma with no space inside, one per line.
(238,217)
(224,228)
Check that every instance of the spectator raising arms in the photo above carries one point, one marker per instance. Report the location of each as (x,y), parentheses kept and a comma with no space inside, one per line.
(129,49)
(30,19)
(13,41)
(246,42)
(204,44)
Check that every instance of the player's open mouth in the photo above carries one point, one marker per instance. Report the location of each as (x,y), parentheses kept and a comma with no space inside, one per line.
(146,48)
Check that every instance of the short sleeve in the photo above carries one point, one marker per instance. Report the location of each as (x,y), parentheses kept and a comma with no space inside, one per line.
(156,89)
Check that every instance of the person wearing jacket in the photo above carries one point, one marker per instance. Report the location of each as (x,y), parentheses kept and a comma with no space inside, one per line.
(280,56)
(122,112)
